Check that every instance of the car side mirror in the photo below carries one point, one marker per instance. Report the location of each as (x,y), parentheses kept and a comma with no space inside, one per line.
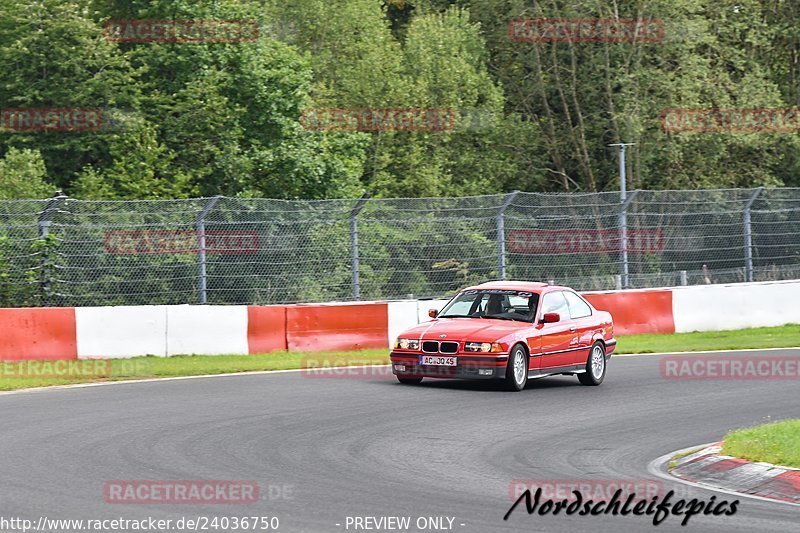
(433,313)
(548,318)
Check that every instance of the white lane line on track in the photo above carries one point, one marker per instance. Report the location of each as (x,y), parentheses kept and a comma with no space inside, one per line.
(656,468)
(294,370)
(707,351)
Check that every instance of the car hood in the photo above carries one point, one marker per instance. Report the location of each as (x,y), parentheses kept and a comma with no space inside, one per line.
(466,329)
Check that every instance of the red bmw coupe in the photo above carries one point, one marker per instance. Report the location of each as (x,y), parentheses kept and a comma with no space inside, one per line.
(508,330)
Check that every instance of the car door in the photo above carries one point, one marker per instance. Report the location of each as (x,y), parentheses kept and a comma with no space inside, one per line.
(559,340)
(583,321)
(525,305)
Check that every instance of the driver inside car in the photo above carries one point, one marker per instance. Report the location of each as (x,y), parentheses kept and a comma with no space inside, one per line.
(495,305)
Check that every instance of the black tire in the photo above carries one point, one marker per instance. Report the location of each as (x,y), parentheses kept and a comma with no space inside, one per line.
(516,381)
(409,381)
(596,366)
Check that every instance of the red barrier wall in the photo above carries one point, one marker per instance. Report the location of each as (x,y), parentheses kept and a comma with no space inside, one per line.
(337,327)
(266,328)
(637,311)
(38,334)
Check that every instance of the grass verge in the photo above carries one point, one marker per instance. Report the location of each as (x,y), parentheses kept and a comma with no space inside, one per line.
(777,443)
(780,337)
(27,374)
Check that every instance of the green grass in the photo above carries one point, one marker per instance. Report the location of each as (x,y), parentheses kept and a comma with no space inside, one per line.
(20,375)
(780,337)
(777,443)
(26,374)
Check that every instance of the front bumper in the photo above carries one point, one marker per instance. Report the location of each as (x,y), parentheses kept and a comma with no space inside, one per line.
(468,366)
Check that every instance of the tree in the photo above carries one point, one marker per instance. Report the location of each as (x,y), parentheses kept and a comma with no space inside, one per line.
(23,175)
(55,56)
(585,95)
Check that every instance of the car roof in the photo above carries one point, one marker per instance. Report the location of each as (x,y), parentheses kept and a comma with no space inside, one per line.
(532,286)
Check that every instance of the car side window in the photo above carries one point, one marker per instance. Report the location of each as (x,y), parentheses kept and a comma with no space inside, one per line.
(554,302)
(577,307)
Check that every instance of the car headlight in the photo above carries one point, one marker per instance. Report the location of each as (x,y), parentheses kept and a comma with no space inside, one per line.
(482,347)
(407,344)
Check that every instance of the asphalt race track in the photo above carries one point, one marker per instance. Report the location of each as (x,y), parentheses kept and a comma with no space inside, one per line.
(322,449)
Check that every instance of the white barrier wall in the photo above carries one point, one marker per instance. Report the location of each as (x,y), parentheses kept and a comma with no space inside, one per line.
(162,330)
(124,331)
(127,331)
(207,330)
(402,315)
(735,306)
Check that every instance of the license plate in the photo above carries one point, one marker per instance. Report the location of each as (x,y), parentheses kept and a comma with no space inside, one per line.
(437,360)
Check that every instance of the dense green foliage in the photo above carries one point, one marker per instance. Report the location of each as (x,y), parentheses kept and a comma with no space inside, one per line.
(189,119)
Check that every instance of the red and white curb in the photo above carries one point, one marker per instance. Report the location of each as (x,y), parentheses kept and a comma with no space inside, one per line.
(707,467)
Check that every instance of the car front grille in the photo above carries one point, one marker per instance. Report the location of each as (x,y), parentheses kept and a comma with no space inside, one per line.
(430,346)
(437,347)
(448,347)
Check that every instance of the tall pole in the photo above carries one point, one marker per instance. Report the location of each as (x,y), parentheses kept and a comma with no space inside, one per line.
(44,223)
(748,236)
(354,255)
(200,229)
(500,224)
(623,214)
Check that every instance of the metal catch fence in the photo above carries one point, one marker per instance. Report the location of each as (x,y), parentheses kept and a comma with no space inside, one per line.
(67,252)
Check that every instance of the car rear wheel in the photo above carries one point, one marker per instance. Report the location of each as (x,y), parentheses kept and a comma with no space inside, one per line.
(409,381)
(595,366)
(517,369)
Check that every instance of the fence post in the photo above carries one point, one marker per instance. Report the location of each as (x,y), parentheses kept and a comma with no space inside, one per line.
(500,223)
(354,261)
(623,237)
(748,236)
(43,223)
(200,229)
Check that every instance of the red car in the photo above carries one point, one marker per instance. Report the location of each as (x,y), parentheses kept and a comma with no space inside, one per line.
(508,330)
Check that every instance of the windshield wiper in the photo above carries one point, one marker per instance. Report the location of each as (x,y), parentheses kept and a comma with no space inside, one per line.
(455,316)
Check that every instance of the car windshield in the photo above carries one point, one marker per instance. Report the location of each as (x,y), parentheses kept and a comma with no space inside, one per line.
(493,303)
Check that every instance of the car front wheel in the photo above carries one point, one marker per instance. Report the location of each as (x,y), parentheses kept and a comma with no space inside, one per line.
(517,369)
(595,366)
